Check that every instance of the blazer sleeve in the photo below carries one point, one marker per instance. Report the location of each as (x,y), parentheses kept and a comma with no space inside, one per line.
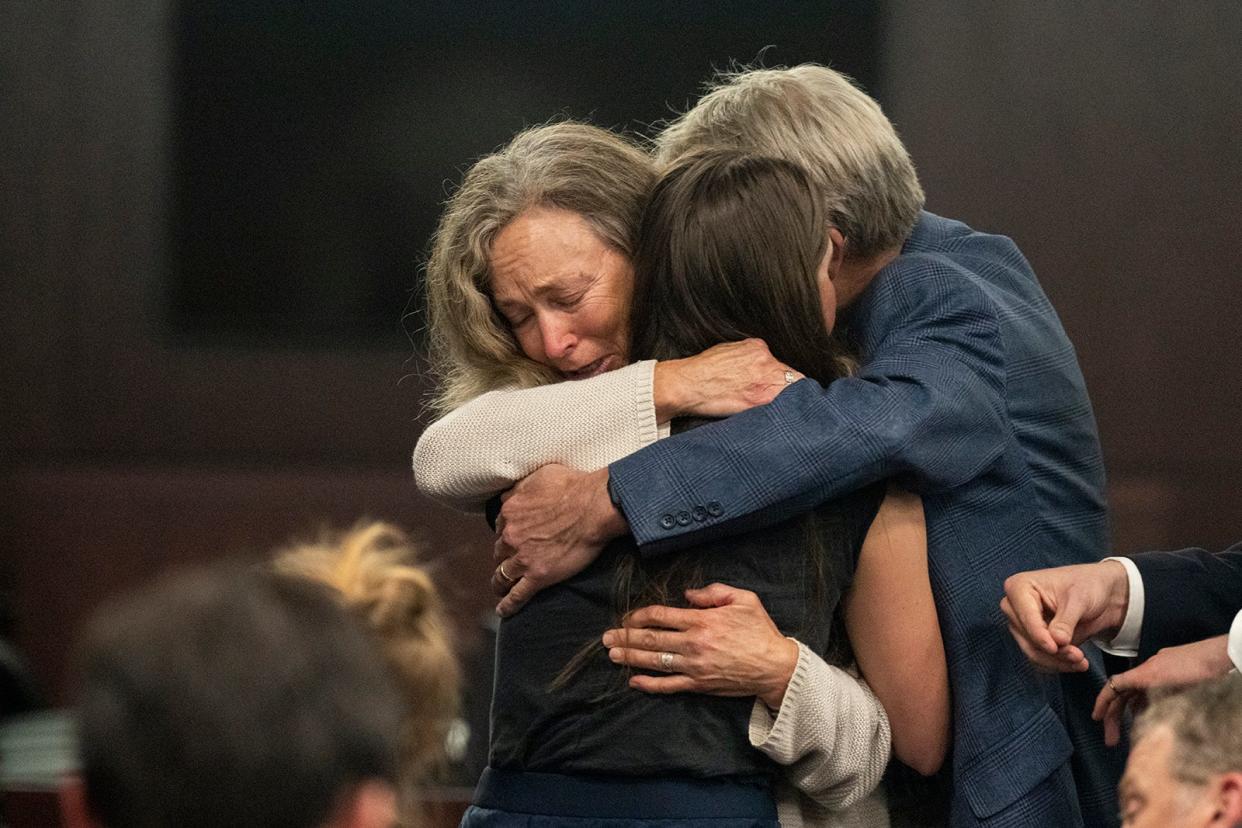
(484,447)
(831,734)
(1189,595)
(928,403)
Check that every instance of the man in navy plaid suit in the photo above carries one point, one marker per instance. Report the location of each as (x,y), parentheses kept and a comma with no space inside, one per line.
(969,392)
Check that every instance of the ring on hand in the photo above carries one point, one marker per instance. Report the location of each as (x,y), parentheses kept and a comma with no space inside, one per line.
(1113,687)
(666,662)
(509,578)
(789,377)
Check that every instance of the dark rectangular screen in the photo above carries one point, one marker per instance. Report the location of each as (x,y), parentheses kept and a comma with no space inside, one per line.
(314,141)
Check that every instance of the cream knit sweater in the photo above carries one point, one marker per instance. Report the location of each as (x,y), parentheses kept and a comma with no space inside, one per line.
(832,736)
(831,733)
(484,447)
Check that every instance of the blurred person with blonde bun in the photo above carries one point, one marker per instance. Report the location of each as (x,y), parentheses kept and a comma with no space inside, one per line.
(373,570)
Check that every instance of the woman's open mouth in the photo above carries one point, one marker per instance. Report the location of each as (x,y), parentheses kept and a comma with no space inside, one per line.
(593,369)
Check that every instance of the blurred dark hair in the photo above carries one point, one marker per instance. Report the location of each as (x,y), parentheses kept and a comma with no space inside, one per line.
(231,696)
(729,247)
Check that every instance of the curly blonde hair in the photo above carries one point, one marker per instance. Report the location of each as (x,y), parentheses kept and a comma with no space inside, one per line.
(372,569)
(601,176)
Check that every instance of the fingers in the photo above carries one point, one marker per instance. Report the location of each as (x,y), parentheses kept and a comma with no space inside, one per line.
(506,574)
(1141,679)
(1065,621)
(716,595)
(507,570)
(1024,607)
(1110,708)
(1112,717)
(1072,659)
(522,591)
(670,618)
(657,662)
(1107,694)
(646,639)
(1067,659)
(665,684)
(1123,692)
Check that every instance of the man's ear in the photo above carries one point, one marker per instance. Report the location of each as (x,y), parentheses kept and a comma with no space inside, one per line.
(1226,794)
(74,812)
(370,804)
(838,252)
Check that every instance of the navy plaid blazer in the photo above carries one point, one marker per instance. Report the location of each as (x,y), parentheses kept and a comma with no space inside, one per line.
(970,393)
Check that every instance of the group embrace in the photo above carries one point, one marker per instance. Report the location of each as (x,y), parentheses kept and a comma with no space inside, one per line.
(768,439)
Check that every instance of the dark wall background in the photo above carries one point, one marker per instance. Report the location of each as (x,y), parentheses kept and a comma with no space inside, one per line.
(141,429)
(1104,138)
(212,216)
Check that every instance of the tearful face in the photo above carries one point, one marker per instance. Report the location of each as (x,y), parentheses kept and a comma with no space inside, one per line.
(564,292)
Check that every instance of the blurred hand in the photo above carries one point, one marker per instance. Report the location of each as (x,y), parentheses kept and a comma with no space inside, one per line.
(551,525)
(1171,667)
(1052,611)
(723,380)
(727,646)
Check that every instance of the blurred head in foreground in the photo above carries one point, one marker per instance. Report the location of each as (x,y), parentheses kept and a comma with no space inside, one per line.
(373,572)
(230,696)
(1185,768)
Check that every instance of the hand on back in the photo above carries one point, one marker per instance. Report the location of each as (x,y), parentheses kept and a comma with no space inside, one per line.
(725,645)
(552,524)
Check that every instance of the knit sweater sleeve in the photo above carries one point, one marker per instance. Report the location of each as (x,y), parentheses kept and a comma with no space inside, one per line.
(496,439)
(831,734)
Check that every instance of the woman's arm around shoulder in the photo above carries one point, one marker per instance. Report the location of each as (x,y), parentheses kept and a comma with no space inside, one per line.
(498,438)
(892,623)
(483,448)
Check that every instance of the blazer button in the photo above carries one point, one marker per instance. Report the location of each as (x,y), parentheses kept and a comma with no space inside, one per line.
(714,509)
(699,514)
(667,522)
(683,518)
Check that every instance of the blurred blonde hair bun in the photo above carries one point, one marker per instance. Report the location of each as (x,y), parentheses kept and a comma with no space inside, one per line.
(373,568)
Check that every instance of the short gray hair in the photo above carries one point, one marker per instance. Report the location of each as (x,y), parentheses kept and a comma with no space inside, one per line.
(601,176)
(1206,723)
(816,117)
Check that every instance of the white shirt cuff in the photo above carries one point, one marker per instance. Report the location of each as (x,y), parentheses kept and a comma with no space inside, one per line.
(1126,642)
(1235,642)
